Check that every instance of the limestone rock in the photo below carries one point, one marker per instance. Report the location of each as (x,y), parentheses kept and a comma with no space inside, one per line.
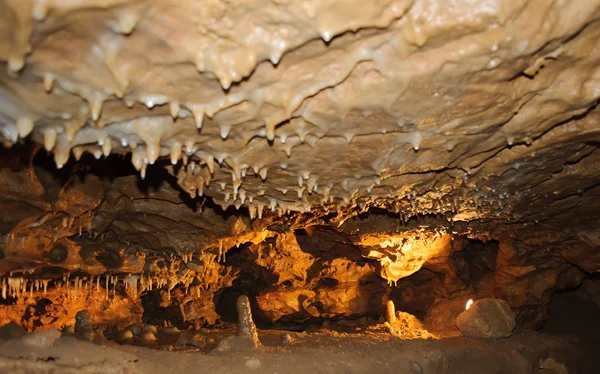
(487,318)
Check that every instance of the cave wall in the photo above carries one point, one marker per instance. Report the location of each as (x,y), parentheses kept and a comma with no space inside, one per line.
(142,250)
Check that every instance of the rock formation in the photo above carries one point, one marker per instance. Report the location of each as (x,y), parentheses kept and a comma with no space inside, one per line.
(325,158)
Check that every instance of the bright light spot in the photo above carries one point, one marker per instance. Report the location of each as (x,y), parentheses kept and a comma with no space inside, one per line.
(469,304)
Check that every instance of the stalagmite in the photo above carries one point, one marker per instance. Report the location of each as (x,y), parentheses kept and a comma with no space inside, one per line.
(390,312)
(245,326)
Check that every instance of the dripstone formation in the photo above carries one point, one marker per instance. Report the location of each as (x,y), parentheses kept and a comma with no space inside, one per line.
(318,161)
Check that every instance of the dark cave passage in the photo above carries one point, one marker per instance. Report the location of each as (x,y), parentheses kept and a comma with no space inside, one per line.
(575,314)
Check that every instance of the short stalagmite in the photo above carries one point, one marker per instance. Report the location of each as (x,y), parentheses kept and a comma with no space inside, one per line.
(245,327)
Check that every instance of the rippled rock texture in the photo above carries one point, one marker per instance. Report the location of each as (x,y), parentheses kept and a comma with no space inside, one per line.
(475,109)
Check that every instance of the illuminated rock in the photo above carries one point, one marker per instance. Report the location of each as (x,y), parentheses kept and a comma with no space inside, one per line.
(487,318)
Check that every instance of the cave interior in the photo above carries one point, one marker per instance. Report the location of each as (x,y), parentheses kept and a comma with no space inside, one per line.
(300,186)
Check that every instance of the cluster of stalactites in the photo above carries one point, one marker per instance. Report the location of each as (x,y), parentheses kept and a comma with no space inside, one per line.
(17,286)
(76,287)
(153,136)
(133,284)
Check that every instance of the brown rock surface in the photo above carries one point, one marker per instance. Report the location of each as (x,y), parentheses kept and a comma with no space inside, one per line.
(487,318)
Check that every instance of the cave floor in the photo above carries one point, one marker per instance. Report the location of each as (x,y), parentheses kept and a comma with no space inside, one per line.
(321,351)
